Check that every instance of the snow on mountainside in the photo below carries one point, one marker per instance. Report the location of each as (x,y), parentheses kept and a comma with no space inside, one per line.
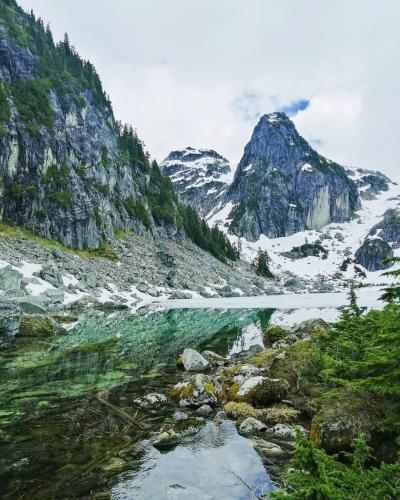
(341,241)
(200,176)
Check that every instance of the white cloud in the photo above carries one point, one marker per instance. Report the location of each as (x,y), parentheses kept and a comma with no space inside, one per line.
(179,70)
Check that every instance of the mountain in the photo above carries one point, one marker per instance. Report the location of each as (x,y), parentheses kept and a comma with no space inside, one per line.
(199,176)
(68,170)
(283,186)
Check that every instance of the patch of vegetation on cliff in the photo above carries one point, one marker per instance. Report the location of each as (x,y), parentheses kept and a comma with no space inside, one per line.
(33,103)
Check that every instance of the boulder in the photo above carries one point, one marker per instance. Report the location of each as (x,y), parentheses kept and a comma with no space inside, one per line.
(198,390)
(341,419)
(50,273)
(58,254)
(251,425)
(10,320)
(153,400)
(166,440)
(267,449)
(55,295)
(261,390)
(310,327)
(282,430)
(270,416)
(10,279)
(193,361)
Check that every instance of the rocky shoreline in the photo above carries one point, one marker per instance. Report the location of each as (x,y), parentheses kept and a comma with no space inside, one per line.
(241,387)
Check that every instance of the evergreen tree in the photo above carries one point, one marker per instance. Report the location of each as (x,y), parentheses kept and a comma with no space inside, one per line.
(392,293)
(261,263)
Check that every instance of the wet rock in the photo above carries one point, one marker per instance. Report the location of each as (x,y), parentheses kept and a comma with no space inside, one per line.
(10,319)
(251,425)
(153,400)
(198,390)
(193,361)
(167,440)
(180,415)
(267,449)
(38,326)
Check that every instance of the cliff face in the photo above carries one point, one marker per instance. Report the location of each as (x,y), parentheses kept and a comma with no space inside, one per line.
(199,176)
(67,169)
(283,186)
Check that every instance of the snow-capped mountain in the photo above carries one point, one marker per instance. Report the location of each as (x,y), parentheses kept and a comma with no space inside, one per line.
(283,186)
(332,224)
(200,176)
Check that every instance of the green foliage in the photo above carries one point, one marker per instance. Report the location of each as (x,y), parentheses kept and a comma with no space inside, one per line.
(40,214)
(15,191)
(32,191)
(310,249)
(98,217)
(211,239)
(62,198)
(105,250)
(104,158)
(261,263)
(102,188)
(392,293)
(57,175)
(4,109)
(315,475)
(32,100)
(137,210)
(345,264)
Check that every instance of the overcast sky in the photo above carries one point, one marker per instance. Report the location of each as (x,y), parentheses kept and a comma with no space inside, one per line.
(201,72)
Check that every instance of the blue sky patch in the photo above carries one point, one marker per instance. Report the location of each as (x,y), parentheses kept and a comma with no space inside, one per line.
(295,107)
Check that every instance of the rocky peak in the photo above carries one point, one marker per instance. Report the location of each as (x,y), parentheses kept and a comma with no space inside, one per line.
(283,186)
(199,176)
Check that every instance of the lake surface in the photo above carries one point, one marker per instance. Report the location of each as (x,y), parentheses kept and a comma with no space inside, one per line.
(57,440)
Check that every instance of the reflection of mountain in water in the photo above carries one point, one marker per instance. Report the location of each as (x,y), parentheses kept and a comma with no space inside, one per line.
(104,352)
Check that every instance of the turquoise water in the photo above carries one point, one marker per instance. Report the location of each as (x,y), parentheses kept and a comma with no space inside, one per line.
(57,440)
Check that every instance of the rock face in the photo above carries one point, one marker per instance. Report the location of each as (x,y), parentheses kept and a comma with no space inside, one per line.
(68,170)
(372,254)
(283,186)
(388,229)
(10,320)
(369,182)
(199,176)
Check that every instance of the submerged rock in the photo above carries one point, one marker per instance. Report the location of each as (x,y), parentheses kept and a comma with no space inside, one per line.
(193,361)
(153,400)
(38,325)
(198,390)
(10,320)
(166,440)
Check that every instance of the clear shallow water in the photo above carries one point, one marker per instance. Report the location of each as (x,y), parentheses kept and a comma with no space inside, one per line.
(57,439)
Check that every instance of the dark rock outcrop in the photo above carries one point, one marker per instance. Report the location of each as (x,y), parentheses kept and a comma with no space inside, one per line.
(369,182)
(388,229)
(372,254)
(283,186)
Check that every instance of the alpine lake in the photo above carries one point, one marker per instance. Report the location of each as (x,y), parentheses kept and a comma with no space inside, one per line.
(64,401)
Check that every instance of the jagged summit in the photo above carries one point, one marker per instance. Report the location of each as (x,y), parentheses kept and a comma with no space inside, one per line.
(282,185)
(199,176)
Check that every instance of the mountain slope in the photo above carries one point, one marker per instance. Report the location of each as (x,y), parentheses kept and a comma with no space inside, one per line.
(68,170)
(199,176)
(283,186)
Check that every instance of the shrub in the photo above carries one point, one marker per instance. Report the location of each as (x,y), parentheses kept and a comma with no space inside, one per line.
(33,103)
(61,198)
